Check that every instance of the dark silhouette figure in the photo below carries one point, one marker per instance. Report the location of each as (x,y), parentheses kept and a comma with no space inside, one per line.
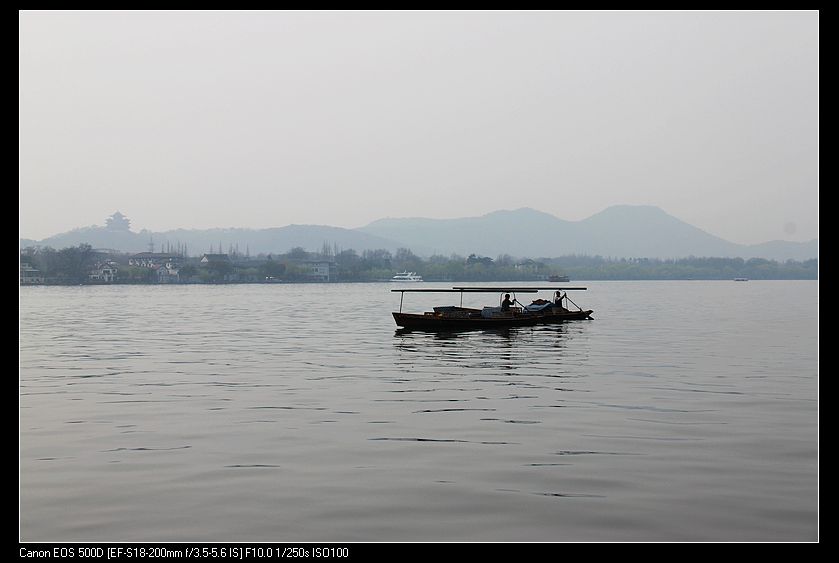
(507,303)
(558,299)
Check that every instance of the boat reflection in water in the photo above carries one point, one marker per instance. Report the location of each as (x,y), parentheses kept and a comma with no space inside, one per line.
(453,318)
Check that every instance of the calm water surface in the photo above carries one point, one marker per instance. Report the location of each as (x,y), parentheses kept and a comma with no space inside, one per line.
(683,411)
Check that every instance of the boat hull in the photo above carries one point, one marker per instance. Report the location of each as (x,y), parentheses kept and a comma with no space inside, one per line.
(562,316)
(440,323)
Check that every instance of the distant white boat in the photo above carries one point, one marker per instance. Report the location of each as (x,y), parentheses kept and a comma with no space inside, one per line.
(741,279)
(406,277)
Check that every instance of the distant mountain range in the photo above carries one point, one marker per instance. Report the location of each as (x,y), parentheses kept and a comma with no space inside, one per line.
(618,231)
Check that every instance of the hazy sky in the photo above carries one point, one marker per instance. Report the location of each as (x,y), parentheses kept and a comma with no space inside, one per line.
(262,119)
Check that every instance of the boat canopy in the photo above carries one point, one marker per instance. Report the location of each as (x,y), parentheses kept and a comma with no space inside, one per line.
(499,289)
(466,290)
(462,289)
(527,289)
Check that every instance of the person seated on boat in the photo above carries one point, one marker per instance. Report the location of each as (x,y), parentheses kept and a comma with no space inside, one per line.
(558,299)
(507,303)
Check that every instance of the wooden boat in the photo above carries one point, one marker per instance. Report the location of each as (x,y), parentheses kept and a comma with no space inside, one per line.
(451,318)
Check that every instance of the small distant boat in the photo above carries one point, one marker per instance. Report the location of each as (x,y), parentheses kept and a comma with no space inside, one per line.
(563,279)
(406,277)
(741,279)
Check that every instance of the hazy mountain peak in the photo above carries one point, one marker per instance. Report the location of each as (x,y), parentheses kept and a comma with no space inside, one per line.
(624,210)
(520,214)
(521,211)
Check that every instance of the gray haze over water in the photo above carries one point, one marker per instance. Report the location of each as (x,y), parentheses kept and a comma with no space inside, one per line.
(683,411)
(264,119)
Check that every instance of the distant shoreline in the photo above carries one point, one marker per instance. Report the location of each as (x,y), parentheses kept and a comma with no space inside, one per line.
(426,283)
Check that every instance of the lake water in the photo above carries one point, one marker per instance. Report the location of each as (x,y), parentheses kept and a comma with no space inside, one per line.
(683,411)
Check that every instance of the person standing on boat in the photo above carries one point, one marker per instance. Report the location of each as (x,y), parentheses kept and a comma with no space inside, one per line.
(507,303)
(558,299)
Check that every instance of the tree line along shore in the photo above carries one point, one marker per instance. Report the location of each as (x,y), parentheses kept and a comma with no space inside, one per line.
(82,264)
